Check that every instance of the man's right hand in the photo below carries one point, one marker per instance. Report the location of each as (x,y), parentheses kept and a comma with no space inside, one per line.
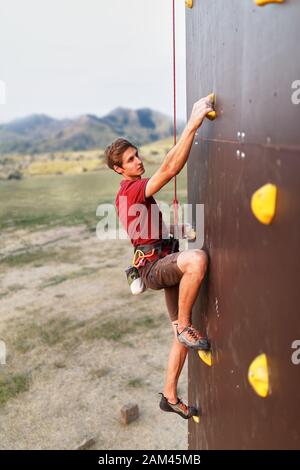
(199,111)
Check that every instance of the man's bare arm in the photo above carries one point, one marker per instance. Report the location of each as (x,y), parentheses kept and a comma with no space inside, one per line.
(176,158)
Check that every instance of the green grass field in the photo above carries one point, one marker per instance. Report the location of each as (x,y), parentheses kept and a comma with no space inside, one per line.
(67,199)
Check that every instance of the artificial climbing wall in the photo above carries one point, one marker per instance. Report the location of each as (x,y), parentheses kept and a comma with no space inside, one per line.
(250,300)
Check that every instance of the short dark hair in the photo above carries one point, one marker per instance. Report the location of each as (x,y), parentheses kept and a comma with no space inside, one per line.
(114,152)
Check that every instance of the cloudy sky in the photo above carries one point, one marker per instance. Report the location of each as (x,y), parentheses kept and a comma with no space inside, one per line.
(65,58)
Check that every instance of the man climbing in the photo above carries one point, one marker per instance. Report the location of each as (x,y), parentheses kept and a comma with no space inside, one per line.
(179,273)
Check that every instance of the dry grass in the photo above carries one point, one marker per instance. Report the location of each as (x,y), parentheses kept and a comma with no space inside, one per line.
(58,163)
(79,346)
(12,385)
(59,167)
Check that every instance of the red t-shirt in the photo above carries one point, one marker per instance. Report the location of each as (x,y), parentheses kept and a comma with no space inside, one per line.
(140,216)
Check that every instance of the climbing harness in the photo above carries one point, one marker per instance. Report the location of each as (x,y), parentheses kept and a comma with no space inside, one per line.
(139,256)
(151,253)
(164,247)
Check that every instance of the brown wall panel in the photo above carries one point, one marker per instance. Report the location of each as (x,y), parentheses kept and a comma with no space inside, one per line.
(250,299)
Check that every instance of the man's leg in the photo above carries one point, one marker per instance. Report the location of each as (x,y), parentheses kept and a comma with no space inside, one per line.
(190,267)
(176,362)
(179,301)
(193,264)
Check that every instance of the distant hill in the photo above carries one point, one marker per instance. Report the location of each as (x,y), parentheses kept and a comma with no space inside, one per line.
(39,133)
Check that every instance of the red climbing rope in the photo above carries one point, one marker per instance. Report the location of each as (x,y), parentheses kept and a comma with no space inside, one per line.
(175,201)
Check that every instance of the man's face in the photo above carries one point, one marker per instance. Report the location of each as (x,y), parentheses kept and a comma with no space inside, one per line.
(132,165)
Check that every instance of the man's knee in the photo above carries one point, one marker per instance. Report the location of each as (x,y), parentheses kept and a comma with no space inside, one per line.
(193,261)
(197,262)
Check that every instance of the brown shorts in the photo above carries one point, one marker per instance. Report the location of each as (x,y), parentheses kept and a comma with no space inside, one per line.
(164,274)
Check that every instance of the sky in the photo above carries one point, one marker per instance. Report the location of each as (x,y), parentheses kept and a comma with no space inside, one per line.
(65,58)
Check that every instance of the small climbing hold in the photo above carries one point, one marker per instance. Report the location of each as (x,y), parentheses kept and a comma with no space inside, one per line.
(206,357)
(189,3)
(196,419)
(212,114)
(263,203)
(262,3)
(258,375)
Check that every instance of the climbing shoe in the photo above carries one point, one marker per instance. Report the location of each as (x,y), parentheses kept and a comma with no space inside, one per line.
(180,408)
(191,338)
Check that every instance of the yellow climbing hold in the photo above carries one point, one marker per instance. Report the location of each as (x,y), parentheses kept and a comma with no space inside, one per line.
(262,3)
(196,419)
(189,3)
(212,114)
(206,357)
(263,203)
(258,375)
